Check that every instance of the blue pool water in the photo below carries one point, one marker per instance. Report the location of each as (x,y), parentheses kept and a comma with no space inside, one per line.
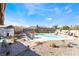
(49,35)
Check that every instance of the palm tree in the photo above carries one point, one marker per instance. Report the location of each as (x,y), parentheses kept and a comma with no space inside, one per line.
(2,8)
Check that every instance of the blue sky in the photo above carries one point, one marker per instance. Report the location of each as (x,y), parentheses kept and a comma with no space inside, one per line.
(43,14)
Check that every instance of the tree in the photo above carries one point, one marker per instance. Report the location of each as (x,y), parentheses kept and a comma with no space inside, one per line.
(76,27)
(66,27)
(33,30)
(55,27)
(36,30)
(2,8)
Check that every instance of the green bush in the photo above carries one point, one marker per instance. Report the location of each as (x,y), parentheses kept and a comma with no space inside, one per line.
(66,27)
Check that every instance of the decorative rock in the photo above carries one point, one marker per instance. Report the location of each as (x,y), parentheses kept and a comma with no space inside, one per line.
(17,48)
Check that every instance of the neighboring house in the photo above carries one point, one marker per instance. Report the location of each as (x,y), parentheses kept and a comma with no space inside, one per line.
(6,31)
(40,29)
(27,30)
(22,35)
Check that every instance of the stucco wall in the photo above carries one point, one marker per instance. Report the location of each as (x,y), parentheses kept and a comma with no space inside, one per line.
(3,32)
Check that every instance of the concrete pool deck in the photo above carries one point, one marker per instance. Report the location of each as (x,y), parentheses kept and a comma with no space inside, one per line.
(21,49)
(47,50)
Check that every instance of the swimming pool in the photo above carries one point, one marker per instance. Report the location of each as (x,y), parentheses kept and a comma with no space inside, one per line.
(46,37)
(49,35)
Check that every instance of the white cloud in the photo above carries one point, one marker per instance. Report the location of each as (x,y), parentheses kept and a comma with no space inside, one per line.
(32,8)
(68,9)
(57,10)
(49,19)
(36,8)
